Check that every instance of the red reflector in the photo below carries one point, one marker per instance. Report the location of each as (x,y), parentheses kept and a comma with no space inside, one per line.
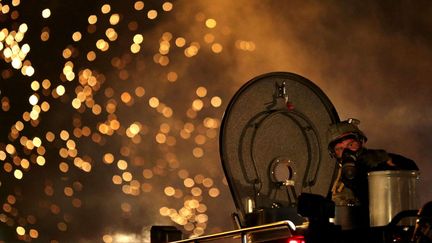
(296,239)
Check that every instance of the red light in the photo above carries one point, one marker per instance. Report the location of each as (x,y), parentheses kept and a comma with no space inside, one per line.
(296,239)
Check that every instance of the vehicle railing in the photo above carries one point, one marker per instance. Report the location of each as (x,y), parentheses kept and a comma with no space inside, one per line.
(244,233)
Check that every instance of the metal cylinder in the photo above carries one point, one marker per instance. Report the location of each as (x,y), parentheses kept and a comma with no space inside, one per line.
(350,217)
(391,192)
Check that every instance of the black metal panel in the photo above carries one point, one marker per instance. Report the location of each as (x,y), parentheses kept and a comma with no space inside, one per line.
(273,141)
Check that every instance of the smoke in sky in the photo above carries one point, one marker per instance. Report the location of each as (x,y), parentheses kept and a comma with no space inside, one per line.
(372,59)
(142,136)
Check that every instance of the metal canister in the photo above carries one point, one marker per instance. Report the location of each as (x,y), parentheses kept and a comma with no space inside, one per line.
(391,192)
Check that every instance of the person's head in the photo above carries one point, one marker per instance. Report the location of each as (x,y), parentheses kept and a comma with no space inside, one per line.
(345,135)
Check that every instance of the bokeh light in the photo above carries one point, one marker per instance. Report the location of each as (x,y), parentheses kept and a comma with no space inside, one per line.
(83,121)
(110,112)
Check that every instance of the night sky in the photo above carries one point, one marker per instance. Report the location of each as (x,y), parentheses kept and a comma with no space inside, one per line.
(110,110)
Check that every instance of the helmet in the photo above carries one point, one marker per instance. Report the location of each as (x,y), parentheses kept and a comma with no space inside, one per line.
(343,130)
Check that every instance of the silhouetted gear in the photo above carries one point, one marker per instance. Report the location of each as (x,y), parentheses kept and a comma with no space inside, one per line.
(423,229)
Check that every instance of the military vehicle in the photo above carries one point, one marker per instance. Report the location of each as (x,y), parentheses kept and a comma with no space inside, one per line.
(274,152)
